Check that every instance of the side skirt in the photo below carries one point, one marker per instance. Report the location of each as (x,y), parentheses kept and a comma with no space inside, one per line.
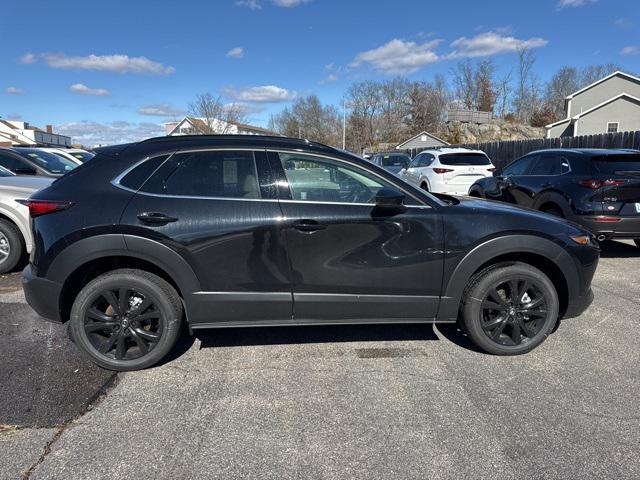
(303,322)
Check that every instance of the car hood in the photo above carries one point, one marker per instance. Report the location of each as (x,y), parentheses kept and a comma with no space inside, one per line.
(479,205)
(26,184)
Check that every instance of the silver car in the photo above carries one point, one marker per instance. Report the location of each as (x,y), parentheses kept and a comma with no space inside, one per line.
(15,233)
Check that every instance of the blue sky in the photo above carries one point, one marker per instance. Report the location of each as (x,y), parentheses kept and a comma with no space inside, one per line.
(110,71)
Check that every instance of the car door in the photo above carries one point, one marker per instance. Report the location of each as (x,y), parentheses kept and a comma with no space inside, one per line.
(16,164)
(507,185)
(543,175)
(349,261)
(219,211)
(410,174)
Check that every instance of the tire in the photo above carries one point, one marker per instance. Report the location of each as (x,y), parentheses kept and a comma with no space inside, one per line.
(513,327)
(152,317)
(12,248)
(424,186)
(637,242)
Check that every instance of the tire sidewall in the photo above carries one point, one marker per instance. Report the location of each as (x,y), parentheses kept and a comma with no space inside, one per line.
(16,246)
(171,319)
(473,305)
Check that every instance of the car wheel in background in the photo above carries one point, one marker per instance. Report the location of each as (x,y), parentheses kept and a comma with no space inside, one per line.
(637,243)
(126,319)
(556,212)
(509,309)
(424,186)
(11,246)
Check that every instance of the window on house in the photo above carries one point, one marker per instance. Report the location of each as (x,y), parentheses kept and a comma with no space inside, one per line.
(612,127)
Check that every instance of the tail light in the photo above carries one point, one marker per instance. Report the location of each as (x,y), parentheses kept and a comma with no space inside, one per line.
(443,170)
(492,169)
(595,184)
(605,219)
(38,208)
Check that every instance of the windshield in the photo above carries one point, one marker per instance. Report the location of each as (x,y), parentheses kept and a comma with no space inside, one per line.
(395,160)
(50,162)
(6,173)
(464,159)
(625,163)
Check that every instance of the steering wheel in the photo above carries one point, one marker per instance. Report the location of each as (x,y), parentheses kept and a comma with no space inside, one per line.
(359,193)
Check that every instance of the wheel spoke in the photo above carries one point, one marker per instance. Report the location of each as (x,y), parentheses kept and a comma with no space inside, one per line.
(135,313)
(513,292)
(515,333)
(108,345)
(528,329)
(113,301)
(493,305)
(95,314)
(152,337)
(144,348)
(493,323)
(535,313)
(97,326)
(123,297)
(146,316)
(495,335)
(496,297)
(120,347)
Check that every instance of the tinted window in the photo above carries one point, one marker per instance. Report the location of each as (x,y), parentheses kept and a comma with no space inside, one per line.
(464,159)
(426,160)
(208,174)
(5,172)
(50,162)
(323,180)
(550,165)
(82,156)
(395,160)
(136,177)
(518,167)
(8,162)
(416,161)
(614,164)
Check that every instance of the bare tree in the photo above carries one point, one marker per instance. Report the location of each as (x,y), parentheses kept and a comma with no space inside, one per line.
(563,83)
(366,103)
(485,88)
(593,73)
(217,117)
(503,95)
(464,81)
(523,100)
(308,118)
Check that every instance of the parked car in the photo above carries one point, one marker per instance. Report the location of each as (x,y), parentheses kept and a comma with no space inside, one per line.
(236,231)
(15,234)
(34,161)
(79,154)
(392,162)
(61,153)
(447,170)
(599,189)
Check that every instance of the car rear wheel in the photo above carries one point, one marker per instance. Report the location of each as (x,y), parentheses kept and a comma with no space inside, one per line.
(509,309)
(556,212)
(424,186)
(126,319)
(11,246)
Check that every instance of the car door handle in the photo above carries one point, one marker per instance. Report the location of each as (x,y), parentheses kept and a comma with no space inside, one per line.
(155,217)
(308,225)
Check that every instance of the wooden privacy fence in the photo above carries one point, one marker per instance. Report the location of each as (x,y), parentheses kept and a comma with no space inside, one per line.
(503,153)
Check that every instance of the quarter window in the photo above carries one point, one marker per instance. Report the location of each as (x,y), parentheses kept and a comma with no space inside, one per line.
(324,180)
(136,177)
(224,174)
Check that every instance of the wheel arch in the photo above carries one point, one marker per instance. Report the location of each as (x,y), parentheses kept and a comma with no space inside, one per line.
(554,198)
(13,218)
(90,257)
(539,252)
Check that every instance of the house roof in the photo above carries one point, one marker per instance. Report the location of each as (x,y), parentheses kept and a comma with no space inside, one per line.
(616,73)
(586,112)
(202,126)
(400,145)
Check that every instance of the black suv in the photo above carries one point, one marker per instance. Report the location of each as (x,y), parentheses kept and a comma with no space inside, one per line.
(599,189)
(233,231)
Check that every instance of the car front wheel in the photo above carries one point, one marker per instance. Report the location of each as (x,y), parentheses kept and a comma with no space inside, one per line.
(126,319)
(509,309)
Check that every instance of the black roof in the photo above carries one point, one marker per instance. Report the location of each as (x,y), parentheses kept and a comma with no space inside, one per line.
(167,143)
(591,151)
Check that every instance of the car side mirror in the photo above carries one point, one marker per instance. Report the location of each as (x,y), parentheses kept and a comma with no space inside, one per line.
(390,200)
(25,171)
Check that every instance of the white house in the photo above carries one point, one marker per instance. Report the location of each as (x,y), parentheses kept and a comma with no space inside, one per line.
(199,126)
(610,105)
(15,133)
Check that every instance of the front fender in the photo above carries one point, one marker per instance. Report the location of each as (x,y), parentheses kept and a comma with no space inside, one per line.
(496,247)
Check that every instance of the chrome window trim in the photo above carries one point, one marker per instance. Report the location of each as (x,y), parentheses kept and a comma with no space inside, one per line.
(558,175)
(116,181)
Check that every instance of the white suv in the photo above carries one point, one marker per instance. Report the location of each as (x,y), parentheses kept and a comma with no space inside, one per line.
(447,170)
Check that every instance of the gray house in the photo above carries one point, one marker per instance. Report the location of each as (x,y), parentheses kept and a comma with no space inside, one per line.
(609,105)
(422,140)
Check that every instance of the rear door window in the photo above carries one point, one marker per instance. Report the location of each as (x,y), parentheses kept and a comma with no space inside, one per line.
(519,167)
(549,164)
(217,174)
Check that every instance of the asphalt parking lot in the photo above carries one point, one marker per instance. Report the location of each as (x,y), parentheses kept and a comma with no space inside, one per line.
(332,402)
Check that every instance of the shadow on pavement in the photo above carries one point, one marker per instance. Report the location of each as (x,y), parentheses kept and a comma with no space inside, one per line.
(613,249)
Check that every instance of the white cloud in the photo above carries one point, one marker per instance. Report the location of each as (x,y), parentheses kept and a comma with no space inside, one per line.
(94,133)
(15,91)
(630,50)
(329,79)
(28,58)
(107,63)
(262,94)
(574,3)
(252,4)
(398,56)
(290,3)
(237,52)
(491,43)
(622,22)
(160,110)
(84,90)
(257,4)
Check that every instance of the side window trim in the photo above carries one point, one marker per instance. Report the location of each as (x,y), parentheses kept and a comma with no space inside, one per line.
(285,191)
